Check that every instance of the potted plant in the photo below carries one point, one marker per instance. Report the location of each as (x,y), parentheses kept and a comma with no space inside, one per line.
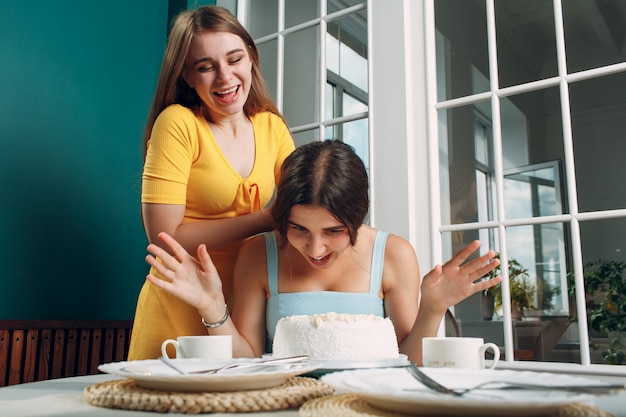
(605,290)
(522,292)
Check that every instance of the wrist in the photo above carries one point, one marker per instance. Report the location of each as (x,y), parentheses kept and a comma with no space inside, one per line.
(430,310)
(212,324)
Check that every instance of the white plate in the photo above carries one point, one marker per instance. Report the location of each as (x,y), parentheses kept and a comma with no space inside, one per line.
(327,366)
(156,375)
(387,389)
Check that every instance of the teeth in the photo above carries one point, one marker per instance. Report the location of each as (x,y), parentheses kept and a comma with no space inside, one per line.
(230,90)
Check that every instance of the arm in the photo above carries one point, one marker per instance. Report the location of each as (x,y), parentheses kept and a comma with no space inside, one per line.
(251,293)
(401,288)
(214,234)
(198,284)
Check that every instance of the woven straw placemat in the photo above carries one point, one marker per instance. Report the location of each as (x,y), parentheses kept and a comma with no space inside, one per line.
(353,405)
(126,394)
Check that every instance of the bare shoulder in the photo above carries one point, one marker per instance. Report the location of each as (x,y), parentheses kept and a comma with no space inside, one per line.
(252,253)
(398,249)
(401,264)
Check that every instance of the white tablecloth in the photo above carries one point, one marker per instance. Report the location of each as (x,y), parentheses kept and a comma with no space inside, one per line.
(64,398)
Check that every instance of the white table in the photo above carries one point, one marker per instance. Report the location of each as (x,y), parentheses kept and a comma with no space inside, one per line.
(64,397)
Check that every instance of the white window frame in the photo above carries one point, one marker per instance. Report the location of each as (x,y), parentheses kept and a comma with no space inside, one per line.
(406,197)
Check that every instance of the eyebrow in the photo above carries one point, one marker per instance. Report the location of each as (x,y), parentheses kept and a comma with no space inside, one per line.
(339,226)
(209,59)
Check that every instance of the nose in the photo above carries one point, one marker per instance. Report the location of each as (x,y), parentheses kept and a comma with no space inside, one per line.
(224,73)
(316,246)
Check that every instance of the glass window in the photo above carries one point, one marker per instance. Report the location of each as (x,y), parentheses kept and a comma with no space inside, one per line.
(594,33)
(302,78)
(463,26)
(300,11)
(598,106)
(268,55)
(605,288)
(464,132)
(346,52)
(262,18)
(508,166)
(528,26)
(334,102)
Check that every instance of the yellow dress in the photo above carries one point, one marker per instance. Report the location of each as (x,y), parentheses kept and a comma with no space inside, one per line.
(184,165)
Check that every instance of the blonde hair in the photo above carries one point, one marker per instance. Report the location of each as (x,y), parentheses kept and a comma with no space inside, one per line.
(172,88)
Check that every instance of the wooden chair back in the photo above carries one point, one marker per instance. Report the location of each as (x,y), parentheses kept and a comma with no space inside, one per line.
(35,350)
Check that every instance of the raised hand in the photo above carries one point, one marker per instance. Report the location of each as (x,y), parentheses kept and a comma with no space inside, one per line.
(453,282)
(196,282)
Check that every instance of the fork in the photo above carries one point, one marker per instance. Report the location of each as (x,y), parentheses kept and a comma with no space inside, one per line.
(436,386)
(288,360)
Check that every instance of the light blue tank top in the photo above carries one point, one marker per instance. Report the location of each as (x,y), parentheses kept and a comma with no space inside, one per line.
(281,305)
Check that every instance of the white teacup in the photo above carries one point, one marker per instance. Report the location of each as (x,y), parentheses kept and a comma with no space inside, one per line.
(205,347)
(457,352)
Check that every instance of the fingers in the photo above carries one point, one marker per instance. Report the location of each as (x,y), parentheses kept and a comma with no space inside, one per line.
(167,262)
(176,248)
(164,285)
(464,253)
(483,285)
(484,268)
(205,259)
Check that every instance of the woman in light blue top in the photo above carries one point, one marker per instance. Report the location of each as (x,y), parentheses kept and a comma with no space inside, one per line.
(321,258)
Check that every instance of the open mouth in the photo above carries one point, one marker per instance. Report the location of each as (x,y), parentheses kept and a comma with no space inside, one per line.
(229,93)
(320,260)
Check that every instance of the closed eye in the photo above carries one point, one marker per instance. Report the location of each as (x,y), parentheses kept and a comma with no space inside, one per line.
(296,227)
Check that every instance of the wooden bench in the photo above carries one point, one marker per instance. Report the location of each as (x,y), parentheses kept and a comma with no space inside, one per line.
(35,350)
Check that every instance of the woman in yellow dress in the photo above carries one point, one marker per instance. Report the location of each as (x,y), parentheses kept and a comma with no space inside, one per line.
(214,145)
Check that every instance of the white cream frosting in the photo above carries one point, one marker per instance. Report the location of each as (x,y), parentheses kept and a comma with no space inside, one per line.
(333,336)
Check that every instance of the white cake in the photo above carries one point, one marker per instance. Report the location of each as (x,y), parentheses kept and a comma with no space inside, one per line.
(333,336)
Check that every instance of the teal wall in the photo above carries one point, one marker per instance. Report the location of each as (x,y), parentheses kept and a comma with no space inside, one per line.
(76,81)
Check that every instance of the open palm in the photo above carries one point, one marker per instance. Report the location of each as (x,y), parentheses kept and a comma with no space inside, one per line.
(456,280)
(196,282)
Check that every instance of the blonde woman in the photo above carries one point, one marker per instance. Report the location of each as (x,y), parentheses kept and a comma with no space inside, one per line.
(214,145)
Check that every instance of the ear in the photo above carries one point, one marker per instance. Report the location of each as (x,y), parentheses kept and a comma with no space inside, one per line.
(186,78)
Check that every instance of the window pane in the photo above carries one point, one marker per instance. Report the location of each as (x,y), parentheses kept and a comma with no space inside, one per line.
(356,134)
(331,102)
(462,47)
(305,137)
(533,191)
(461,131)
(300,11)
(532,129)
(540,251)
(594,33)
(268,54)
(351,105)
(346,52)
(263,18)
(302,81)
(598,126)
(526,41)
(605,288)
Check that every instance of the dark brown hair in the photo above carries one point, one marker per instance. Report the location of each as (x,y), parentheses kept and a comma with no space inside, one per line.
(172,88)
(328,174)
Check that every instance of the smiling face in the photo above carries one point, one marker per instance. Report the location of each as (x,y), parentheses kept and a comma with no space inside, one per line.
(317,235)
(219,69)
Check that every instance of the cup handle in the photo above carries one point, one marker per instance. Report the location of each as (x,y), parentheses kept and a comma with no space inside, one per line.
(164,347)
(496,353)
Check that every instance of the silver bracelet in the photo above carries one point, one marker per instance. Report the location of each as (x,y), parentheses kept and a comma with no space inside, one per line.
(217,323)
